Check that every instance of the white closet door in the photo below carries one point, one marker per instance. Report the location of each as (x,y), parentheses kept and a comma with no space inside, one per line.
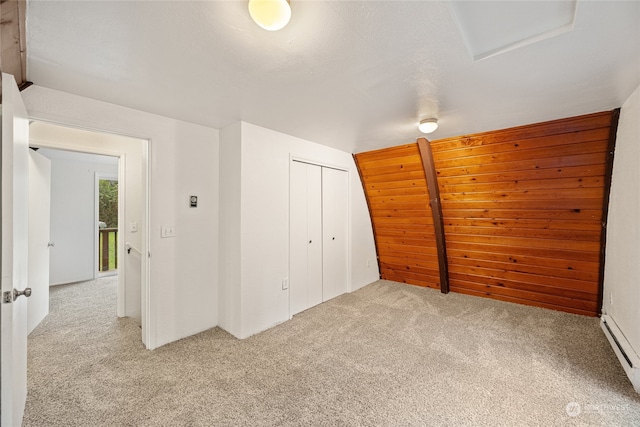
(335,211)
(305,237)
(314,234)
(297,238)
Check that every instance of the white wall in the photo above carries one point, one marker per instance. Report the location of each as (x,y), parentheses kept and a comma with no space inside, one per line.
(622,269)
(264,223)
(251,239)
(229,294)
(183,161)
(73,228)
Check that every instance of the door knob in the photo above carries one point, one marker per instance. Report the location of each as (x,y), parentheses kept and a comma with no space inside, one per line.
(17,293)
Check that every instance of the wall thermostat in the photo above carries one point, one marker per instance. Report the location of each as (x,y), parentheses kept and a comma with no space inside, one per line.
(193,201)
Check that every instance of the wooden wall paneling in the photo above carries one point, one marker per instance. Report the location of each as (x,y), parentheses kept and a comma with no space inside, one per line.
(13,52)
(397,195)
(538,174)
(523,210)
(475,146)
(514,135)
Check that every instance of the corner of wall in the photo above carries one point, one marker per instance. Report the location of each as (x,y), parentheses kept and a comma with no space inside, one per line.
(622,271)
(229,286)
(364,259)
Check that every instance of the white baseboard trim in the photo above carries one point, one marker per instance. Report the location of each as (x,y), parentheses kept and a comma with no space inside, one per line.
(626,354)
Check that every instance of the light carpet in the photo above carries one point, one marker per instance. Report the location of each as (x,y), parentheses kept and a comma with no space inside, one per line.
(388,354)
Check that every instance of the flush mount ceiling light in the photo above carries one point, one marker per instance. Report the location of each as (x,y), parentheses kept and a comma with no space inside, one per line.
(428,125)
(271,15)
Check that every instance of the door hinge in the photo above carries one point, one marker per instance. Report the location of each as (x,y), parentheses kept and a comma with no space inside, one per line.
(7,297)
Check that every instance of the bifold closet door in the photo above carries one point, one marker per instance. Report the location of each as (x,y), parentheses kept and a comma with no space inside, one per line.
(335,211)
(305,237)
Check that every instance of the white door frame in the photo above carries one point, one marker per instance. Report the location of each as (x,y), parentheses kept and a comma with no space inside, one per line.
(148,324)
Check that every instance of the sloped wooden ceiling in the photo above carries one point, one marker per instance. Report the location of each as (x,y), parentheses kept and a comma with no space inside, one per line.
(396,189)
(523,212)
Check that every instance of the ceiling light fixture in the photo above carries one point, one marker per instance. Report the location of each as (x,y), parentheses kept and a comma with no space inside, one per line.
(271,15)
(428,125)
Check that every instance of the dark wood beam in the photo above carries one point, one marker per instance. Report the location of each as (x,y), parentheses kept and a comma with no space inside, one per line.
(436,210)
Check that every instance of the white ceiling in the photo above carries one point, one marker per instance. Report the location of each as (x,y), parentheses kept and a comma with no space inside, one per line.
(74,156)
(520,23)
(351,75)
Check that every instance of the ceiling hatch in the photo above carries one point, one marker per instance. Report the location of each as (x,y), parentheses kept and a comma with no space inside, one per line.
(490,28)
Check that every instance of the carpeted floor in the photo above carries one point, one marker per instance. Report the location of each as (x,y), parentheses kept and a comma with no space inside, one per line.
(388,354)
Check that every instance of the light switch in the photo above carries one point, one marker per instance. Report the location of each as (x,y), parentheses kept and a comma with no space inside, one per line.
(133,227)
(168,231)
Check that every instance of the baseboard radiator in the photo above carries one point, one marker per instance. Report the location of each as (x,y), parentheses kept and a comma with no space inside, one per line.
(626,354)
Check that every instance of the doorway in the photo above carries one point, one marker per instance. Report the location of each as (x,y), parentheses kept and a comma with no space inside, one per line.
(131,156)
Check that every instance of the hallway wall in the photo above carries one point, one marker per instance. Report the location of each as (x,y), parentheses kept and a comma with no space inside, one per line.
(183,161)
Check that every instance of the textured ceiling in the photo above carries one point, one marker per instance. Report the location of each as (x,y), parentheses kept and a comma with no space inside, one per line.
(520,23)
(351,75)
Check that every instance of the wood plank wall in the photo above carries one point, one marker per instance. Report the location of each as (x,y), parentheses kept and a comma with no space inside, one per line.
(13,53)
(396,191)
(522,209)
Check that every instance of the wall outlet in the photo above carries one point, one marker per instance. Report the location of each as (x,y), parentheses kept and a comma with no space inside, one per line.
(133,226)
(167,231)
(368,262)
(285,283)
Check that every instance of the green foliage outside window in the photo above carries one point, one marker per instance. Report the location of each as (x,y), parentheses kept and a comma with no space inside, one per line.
(108,217)
(108,203)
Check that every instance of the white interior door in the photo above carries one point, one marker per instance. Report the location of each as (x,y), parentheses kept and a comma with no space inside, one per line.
(15,215)
(39,235)
(305,237)
(335,211)
(297,238)
(314,234)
